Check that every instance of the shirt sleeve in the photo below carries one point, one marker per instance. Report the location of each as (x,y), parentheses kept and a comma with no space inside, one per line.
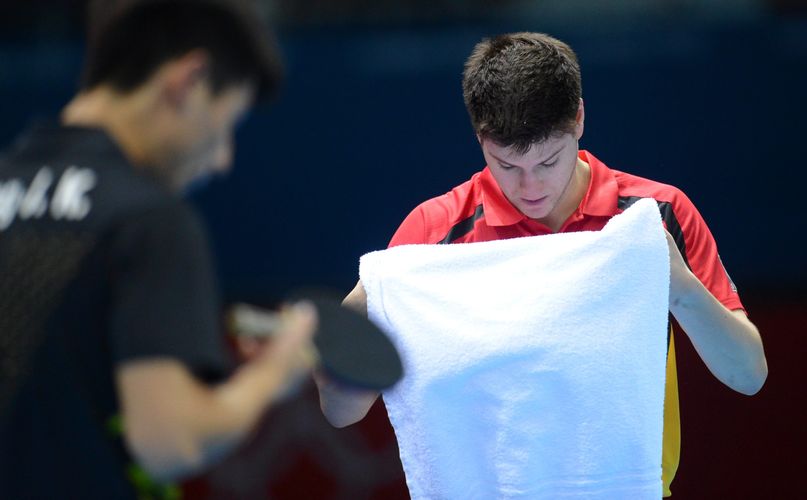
(702,255)
(164,295)
(412,230)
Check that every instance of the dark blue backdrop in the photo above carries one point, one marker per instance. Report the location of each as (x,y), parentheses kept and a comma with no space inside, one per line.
(371,122)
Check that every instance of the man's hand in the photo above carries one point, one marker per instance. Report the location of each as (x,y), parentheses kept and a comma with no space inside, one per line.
(280,340)
(290,354)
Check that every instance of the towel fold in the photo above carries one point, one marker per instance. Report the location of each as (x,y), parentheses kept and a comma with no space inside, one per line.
(534,367)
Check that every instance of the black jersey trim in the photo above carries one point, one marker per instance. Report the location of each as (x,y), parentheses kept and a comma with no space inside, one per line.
(673,226)
(463,227)
(670,220)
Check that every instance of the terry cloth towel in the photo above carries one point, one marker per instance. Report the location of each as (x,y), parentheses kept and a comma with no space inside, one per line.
(534,367)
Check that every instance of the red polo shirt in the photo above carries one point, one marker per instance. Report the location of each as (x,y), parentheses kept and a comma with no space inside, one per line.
(477,210)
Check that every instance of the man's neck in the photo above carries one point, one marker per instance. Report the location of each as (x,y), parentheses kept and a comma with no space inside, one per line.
(572,197)
(117,114)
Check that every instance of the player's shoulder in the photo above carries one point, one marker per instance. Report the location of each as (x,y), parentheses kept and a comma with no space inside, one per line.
(632,185)
(673,201)
(165,232)
(430,220)
(458,201)
(443,211)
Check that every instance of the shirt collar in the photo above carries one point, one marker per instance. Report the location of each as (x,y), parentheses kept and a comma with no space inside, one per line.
(498,209)
(603,192)
(600,198)
(44,137)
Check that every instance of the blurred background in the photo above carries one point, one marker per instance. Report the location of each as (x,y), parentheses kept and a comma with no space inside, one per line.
(708,95)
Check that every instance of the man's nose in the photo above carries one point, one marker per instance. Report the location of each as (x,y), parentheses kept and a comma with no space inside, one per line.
(530,179)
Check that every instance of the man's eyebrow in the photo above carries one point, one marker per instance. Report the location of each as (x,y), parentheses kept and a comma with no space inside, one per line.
(551,157)
(498,159)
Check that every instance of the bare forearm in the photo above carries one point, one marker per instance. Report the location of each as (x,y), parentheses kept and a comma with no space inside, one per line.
(232,410)
(212,423)
(175,425)
(357,299)
(341,405)
(201,424)
(727,341)
(173,439)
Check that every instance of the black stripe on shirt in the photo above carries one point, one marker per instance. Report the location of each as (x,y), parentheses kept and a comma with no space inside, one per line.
(670,220)
(462,227)
(673,226)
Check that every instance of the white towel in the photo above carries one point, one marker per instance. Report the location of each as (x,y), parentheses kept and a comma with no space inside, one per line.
(534,367)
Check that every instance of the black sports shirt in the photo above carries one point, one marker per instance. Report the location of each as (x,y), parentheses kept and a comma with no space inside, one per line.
(98,265)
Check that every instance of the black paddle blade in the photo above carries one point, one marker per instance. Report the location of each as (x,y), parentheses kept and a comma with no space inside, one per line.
(352,349)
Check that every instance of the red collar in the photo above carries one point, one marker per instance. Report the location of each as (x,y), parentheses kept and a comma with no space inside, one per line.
(603,192)
(600,198)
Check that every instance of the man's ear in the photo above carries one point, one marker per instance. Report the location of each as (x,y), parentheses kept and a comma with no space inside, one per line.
(579,121)
(181,75)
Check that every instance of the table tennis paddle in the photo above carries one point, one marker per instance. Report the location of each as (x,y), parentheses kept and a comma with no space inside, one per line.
(352,349)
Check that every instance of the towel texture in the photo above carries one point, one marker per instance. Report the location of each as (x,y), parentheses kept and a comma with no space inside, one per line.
(534,367)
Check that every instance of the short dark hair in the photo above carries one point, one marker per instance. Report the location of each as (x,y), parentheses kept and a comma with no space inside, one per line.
(130,39)
(521,88)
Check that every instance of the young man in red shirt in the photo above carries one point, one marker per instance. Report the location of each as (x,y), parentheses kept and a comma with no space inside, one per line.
(523,95)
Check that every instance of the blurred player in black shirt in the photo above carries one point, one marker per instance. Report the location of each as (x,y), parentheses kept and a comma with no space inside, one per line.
(114,375)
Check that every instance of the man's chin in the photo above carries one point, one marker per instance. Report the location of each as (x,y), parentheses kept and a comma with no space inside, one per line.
(534,214)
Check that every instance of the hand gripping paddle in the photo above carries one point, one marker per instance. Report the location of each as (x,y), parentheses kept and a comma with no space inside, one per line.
(352,350)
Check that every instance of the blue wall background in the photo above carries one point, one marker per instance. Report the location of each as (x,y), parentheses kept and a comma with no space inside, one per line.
(371,122)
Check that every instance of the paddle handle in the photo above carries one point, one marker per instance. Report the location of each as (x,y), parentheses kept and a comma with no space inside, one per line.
(252,321)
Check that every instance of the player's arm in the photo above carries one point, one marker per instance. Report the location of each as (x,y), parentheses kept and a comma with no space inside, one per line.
(174,425)
(726,340)
(343,405)
(166,346)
